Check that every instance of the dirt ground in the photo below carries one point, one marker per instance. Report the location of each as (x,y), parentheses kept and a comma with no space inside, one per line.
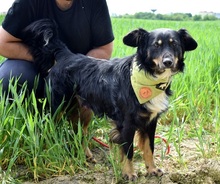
(190,169)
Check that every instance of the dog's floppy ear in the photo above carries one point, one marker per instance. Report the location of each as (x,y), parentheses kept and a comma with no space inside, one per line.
(188,42)
(135,37)
(40,32)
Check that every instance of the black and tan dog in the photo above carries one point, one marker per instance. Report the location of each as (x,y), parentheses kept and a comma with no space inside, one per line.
(132,91)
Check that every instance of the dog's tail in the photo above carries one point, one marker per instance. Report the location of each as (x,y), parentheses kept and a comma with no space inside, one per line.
(41,37)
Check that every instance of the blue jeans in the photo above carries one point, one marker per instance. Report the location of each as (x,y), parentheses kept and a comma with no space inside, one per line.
(24,71)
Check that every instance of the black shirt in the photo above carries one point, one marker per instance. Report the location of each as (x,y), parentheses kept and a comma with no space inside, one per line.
(82,27)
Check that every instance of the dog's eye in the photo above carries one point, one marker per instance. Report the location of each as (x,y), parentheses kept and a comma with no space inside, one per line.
(173,44)
(158,44)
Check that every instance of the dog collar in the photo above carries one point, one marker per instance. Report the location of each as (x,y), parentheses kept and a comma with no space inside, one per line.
(145,85)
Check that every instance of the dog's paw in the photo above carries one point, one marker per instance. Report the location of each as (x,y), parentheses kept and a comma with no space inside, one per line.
(130,176)
(155,172)
(89,156)
(128,172)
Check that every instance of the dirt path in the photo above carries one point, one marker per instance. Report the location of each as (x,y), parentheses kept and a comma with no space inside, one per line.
(191,169)
(204,172)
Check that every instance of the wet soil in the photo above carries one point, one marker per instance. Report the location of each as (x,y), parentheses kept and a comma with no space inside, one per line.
(185,167)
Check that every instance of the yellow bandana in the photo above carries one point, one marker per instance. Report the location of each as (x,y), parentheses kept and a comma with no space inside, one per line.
(145,86)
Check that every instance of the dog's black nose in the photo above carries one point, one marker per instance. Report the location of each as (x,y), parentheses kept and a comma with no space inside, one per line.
(168,62)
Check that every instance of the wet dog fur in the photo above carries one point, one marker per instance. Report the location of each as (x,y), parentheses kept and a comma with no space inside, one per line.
(104,86)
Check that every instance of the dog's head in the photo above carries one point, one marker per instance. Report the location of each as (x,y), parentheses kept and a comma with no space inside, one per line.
(160,51)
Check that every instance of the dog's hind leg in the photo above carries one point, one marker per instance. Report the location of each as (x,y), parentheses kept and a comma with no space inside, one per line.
(146,145)
(85,118)
(79,113)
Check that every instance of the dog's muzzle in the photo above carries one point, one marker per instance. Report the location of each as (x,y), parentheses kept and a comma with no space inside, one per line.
(168,60)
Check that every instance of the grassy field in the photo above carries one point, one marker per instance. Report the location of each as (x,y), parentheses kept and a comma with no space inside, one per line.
(29,139)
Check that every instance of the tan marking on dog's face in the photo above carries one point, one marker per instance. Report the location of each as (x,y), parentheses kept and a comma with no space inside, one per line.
(157,61)
(159,67)
(160,42)
(175,61)
(171,40)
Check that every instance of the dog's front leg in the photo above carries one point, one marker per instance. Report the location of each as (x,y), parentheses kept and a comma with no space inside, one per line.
(127,136)
(149,159)
(146,144)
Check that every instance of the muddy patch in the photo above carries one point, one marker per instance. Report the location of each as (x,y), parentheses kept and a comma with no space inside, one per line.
(191,168)
(205,172)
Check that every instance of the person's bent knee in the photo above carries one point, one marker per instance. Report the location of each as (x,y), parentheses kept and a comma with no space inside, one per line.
(21,72)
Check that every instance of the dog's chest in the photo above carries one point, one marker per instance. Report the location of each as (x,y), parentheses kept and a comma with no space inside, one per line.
(157,105)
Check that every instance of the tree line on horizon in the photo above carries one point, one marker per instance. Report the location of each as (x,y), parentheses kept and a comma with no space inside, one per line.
(173,16)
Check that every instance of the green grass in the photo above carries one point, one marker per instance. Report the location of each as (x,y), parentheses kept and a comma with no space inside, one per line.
(29,138)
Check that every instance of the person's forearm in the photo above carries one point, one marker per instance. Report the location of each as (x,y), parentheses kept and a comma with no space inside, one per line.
(103,52)
(15,50)
(96,53)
